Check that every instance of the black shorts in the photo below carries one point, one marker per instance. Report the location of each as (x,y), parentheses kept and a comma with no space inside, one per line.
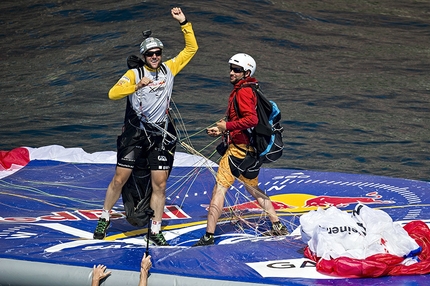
(150,143)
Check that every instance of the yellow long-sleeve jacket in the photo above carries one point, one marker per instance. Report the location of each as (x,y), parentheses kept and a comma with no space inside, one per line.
(151,102)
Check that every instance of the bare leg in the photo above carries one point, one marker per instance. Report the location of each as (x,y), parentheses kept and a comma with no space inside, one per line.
(264,201)
(112,195)
(158,198)
(215,207)
(115,187)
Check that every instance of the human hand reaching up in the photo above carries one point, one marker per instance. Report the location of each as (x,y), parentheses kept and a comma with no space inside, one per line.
(177,14)
(99,274)
(145,265)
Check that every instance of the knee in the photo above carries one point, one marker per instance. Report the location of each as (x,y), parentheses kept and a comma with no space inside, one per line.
(159,188)
(118,182)
(219,192)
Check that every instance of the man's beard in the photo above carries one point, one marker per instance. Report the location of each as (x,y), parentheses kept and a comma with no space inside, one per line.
(236,80)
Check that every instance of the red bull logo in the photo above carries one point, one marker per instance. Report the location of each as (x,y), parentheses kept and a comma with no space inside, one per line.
(340,202)
(253,206)
(296,203)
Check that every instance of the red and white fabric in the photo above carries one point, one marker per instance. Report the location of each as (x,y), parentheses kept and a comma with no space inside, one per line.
(366,243)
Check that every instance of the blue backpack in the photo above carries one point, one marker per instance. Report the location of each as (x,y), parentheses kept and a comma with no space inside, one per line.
(266,137)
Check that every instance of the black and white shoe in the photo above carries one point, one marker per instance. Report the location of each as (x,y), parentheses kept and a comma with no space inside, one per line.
(101,228)
(204,240)
(158,239)
(278,229)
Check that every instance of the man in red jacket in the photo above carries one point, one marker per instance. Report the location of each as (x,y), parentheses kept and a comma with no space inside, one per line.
(234,131)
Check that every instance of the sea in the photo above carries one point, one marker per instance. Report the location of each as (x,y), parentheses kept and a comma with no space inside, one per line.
(352,78)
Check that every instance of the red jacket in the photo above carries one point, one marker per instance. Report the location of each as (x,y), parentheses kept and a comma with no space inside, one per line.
(246,103)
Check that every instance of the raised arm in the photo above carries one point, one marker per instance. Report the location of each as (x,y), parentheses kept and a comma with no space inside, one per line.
(183,58)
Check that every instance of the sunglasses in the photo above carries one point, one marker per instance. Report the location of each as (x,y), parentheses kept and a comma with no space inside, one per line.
(150,54)
(236,70)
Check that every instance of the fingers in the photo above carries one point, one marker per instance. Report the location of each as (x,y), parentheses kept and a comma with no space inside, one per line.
(106,274)
(146,259)
(176,10)
(177,14)
(213,131)
(100,268)
(145,81)
(146,263)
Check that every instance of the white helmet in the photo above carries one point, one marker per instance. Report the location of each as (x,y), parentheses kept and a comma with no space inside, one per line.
(150,43)
(245,61)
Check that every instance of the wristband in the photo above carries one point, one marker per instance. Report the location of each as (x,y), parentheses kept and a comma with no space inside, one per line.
(183,23)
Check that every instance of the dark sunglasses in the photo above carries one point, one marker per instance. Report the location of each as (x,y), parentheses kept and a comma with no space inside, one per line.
(236,70)
(150,54)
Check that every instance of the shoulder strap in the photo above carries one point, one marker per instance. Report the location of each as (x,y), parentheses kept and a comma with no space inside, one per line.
(163,68)
(263,105)
(236,108)
(141,72)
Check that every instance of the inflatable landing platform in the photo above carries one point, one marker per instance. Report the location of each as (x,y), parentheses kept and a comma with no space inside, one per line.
(49,206)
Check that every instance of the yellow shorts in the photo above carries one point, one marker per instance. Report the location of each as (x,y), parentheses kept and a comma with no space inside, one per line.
(224,177)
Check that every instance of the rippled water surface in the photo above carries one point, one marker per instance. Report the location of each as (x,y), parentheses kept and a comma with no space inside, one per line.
(351,78)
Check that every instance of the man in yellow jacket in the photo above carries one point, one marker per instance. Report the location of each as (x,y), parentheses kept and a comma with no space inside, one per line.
(148,131)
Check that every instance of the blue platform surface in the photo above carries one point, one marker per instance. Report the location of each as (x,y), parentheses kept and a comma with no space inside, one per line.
(49,210)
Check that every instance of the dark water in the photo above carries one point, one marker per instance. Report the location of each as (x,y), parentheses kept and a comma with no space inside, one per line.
(351,78)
